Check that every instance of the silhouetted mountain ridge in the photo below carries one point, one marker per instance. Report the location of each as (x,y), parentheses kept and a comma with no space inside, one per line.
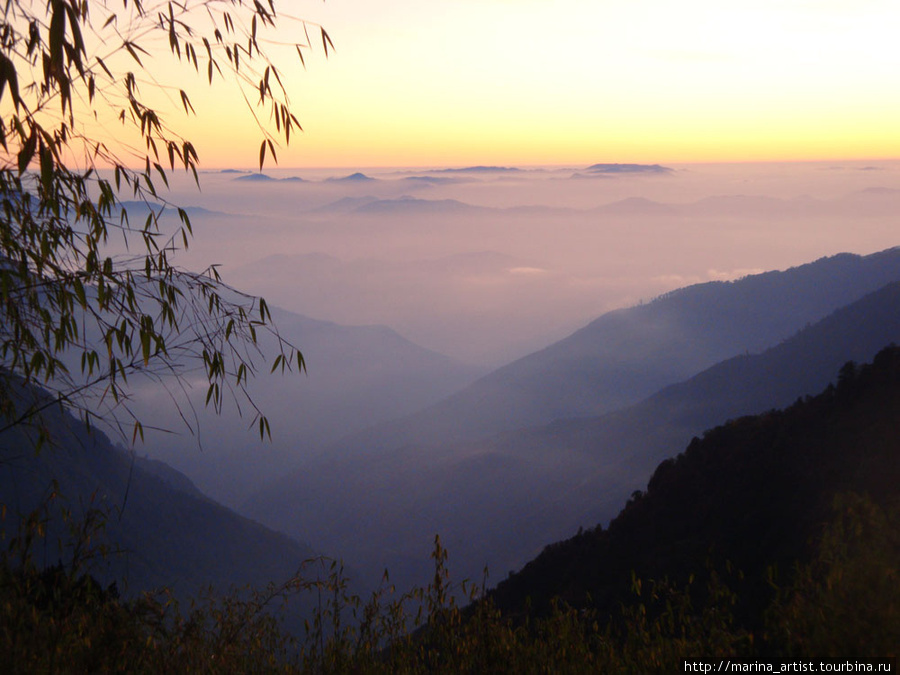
(629,168)
(166,531)
(754,492)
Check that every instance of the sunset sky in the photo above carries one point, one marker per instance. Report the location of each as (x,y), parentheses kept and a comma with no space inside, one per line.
(580,81)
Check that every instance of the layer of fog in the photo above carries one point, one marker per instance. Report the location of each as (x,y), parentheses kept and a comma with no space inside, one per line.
(488,266)
(462,271)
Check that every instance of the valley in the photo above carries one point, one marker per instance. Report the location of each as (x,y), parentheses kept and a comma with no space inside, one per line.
(381,444)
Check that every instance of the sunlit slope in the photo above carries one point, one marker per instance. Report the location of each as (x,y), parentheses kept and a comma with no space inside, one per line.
(498,500)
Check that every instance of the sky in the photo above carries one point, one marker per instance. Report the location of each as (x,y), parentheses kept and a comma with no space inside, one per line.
(543,82)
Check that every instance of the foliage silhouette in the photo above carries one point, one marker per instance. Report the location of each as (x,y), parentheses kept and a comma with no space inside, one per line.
(79,109)
(59,621)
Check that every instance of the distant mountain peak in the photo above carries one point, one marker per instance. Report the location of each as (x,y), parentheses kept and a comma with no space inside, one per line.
(265,178)
(255,177)
(160,209)
(353,177)
(629,168)
(481,169)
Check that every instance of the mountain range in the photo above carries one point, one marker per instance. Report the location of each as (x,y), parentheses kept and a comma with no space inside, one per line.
(522,457)
(868,202)
(378,497)
(627,355)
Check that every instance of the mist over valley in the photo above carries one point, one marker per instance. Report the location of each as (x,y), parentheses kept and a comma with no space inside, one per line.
(489,349)
(495,355)
(498,264)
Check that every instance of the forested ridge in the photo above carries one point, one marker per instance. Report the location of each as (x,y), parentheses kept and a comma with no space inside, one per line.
(753,494)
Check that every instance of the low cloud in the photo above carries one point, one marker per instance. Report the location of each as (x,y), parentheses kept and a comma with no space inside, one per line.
(719,275)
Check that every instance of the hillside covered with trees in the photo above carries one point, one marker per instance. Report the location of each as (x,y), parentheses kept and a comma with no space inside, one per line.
(754,496)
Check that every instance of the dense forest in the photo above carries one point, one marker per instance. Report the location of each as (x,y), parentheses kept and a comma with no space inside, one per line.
(752,494)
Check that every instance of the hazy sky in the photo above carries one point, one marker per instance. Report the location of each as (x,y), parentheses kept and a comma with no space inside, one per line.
(579,81)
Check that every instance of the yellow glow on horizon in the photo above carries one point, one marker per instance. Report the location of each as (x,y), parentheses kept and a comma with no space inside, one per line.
(578,82)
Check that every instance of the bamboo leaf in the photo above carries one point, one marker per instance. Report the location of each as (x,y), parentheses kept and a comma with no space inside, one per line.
(138,431)
(133,49)
(326,41)
(145,347)
(186,102)
(46,159)
(26,153)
